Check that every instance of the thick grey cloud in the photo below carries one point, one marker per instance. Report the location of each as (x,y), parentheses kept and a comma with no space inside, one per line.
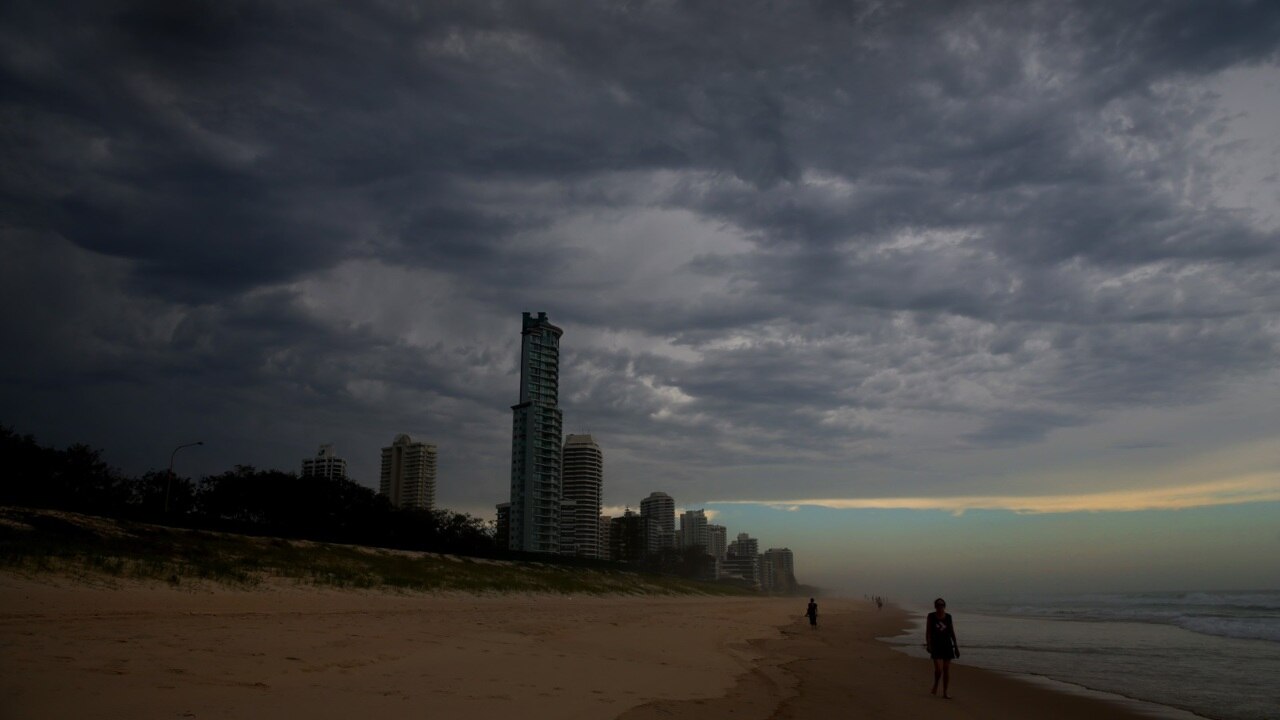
(814,241)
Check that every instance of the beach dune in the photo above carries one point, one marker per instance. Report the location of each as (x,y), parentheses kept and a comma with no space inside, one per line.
(145,651)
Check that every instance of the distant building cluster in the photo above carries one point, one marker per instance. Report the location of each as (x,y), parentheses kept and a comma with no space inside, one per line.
(557,488)
(557,491)
(408,477)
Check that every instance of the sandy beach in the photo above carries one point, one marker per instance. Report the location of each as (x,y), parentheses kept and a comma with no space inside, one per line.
(148,651)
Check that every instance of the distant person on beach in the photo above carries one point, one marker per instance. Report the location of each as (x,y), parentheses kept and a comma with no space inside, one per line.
(879,602)
(940,641)
(812,613)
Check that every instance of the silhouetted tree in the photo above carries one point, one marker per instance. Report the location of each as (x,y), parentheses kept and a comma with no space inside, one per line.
(27,467)
(244,499)
(72,479)
(463,533)
(147,496)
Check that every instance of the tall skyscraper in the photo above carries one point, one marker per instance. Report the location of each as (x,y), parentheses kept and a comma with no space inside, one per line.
(659,512)
(583,473)
(694,530)
(535,440)
(326,464)
(409,474)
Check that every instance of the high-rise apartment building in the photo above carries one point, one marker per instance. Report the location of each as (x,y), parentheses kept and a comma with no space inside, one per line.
(777,570)
(606,550)
(502,527)
(627,537)
(745,545)
(743,559)
(717,543)
(326,464)
(409,474)
(694,530)
(582,484)
(535,440)
(659,512)
(568,527)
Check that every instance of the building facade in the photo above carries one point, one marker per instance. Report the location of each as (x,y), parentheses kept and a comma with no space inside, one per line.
(582,465)
(659,512)
(535,440)
(778,570)
(606,551)
(502,527)
(717,541)
(627,538)
(694,531)
(743,559)
(408,476)
(326,464)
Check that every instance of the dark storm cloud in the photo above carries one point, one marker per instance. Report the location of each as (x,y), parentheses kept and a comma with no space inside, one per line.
(999,214)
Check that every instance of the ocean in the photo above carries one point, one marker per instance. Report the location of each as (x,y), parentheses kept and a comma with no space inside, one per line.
(1172,654)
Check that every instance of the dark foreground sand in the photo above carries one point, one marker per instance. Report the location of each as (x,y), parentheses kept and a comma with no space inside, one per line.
(74,650)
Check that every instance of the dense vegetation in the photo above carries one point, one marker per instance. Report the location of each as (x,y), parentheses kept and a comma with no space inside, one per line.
(242,500)
(269,504)
(39,541)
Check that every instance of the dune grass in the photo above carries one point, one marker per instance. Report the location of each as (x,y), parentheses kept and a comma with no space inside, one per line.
(69,544)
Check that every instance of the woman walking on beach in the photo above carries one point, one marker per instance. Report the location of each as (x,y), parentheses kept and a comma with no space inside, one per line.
(812,613)
(940,641)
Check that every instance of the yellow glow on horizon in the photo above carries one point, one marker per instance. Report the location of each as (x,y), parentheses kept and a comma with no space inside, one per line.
(1261,487)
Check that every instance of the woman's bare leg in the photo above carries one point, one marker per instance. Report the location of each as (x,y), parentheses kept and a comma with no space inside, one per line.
(937,675)
(946,678)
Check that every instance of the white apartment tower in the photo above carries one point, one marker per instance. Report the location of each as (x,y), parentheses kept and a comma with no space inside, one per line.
(659,512)
(535,440)
(326,464)
(409,474)
(582,470)
(694,531)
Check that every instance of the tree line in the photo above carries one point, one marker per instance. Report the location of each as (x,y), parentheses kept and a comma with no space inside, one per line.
(243,499)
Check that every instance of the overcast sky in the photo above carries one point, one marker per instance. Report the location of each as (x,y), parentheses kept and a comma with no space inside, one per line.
(1010,265)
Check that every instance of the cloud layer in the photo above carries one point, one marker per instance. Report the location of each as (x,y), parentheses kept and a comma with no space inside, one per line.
(826,249)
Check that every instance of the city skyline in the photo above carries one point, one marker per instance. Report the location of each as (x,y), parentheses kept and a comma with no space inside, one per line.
(976,295)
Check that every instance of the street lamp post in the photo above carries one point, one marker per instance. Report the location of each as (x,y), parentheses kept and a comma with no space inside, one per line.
(169,478)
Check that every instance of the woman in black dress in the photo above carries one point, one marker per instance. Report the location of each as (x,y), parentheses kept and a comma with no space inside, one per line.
(940,641)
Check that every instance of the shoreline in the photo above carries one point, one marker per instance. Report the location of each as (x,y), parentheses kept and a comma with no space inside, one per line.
(144,650)
(1143,707)
(845,664)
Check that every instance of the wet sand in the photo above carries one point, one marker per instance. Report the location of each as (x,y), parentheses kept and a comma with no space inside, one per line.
(74,650)
(840,669)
